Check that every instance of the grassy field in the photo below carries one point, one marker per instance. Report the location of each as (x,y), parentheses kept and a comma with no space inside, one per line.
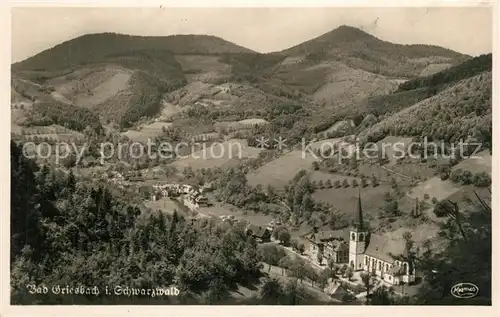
(394,147)
(92,86)
(219,209)
(218,155)
(168,111)
(414,168)
(147,131)
(239,125)
(281,170)
(344,125)
(325,144)
(344,199)
(346,86)
(466,197)
(476,165)
(434,68)
(426,231)
(434,187)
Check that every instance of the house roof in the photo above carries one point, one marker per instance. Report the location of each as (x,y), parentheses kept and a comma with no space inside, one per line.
(258,231)
(336,290)
(340,246)
(384,248)
(329,235)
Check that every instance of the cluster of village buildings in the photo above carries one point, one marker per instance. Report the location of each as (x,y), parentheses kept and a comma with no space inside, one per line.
(193,198)
(123,180)
(363,251)
(357,247)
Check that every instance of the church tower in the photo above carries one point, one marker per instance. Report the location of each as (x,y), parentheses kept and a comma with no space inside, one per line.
(357,238)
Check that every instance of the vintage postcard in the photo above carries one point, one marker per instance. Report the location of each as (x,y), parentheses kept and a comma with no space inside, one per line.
(326,155)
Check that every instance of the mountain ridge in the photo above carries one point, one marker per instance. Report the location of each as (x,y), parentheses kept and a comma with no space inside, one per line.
(345,33)
(131,42)
(125,77)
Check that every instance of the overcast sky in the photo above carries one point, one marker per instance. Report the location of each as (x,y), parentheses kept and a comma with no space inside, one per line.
(466,30)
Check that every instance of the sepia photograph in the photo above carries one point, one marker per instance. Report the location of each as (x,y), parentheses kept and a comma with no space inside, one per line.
(251,156)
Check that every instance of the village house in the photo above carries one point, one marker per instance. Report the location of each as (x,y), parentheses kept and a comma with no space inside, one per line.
(118,180)
(273,224)
(156,195)
(338,291)
(260,234)
(227,218)
(330,245)
(194,200)
(337,250)
(207,187)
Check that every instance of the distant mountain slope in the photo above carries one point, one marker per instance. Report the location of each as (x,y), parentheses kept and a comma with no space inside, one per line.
(415,90)
(359,49)
(122,78)
(95,47)
(464,109)
(467,69)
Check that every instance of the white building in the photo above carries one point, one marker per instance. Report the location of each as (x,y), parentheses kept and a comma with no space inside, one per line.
(384,257)
(380,255)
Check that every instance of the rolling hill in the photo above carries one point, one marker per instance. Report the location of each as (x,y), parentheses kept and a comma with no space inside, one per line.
(420,88)
(361,50)
(122,78)
(454,114)
(96,47)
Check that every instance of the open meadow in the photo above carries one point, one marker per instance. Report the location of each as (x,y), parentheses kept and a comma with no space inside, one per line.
(280,171)
(218,155)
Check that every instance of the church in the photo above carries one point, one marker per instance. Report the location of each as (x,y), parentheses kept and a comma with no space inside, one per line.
(378,254)
(373,253)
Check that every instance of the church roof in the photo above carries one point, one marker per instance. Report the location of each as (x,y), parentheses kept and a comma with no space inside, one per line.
(405,252)
(384,248)
(359,213)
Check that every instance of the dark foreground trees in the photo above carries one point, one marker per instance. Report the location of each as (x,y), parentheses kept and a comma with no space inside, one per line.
(64,233)
(466,259)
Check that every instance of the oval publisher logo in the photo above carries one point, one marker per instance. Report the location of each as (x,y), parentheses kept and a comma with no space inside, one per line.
(464,290)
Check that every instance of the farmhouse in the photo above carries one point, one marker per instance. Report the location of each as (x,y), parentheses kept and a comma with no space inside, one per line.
(337,291)
(380,255)
(330,244)
(260,234)
(194,200)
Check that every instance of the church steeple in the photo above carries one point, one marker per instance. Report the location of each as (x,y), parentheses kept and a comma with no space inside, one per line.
(359,213)
(359,237)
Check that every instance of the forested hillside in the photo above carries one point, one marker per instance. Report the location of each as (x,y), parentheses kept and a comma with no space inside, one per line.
(469,68)
(68,233)
(359,49)
(92,48)
(51,111)
(460,111)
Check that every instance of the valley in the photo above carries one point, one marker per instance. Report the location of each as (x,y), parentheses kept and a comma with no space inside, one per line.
(215,114)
